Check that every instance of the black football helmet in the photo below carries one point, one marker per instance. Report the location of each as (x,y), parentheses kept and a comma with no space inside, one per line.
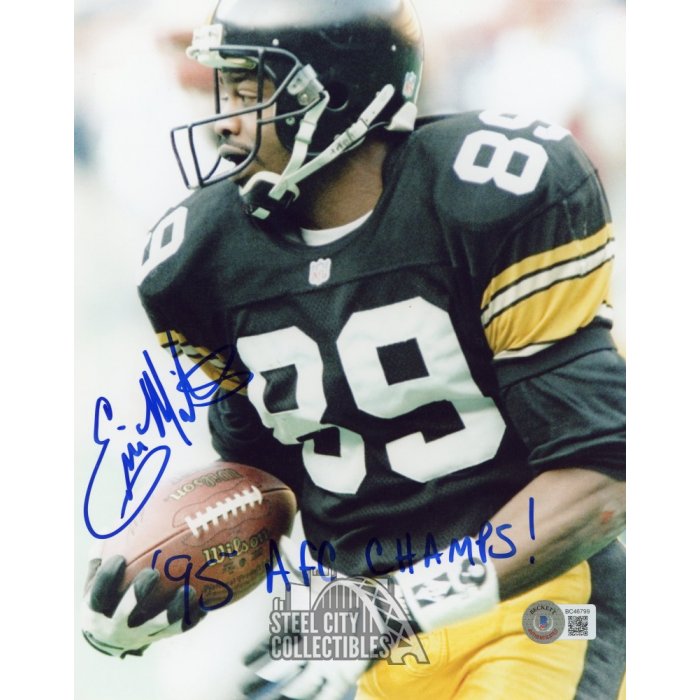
(339,69)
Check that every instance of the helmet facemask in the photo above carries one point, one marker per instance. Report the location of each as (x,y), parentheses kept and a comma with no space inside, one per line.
(338,70)
(296,92)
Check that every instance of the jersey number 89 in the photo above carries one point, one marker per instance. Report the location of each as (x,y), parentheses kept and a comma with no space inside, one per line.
(447,379)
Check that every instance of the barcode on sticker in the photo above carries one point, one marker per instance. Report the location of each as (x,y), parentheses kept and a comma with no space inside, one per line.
(580,622)
(577,625)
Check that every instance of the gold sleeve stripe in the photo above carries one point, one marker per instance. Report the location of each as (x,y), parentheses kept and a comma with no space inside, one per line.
(543,261)
(214,366)
(550,314)
(604,312)
(193,352)
(534,283)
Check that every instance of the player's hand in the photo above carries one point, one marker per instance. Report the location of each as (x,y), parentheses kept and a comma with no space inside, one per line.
(315,679)
(128,624)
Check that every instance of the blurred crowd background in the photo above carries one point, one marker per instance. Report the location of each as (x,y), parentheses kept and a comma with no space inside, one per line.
(561,60)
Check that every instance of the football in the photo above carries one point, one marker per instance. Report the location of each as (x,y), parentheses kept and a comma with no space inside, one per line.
(210,528)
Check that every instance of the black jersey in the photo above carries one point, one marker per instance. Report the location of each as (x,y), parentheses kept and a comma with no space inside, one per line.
(411,377)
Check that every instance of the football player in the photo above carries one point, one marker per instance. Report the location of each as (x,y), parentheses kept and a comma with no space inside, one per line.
(423,303)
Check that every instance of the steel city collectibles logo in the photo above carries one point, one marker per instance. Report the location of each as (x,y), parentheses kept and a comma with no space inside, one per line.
(348,618)
(543,622)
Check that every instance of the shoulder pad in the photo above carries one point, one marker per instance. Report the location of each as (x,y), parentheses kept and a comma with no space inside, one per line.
(173,244)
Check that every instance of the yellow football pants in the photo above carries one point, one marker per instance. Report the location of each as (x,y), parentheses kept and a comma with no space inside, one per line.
(491,657)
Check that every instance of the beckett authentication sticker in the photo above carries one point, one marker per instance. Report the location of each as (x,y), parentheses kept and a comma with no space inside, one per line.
(545,622)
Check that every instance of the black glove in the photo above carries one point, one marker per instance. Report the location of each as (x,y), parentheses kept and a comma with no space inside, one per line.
(127,624)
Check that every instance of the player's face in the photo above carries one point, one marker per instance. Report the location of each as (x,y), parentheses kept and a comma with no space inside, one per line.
(237,134)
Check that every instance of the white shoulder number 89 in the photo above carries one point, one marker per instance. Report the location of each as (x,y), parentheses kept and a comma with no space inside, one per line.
(535,157)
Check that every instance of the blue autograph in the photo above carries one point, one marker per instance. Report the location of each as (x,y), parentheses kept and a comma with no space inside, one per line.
(160,414)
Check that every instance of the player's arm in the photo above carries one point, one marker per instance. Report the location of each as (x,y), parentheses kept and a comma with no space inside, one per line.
(579,512)
(544,282)
(568,405)
(545,310)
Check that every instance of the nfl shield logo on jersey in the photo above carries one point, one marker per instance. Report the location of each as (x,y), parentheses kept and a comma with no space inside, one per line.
(319,271)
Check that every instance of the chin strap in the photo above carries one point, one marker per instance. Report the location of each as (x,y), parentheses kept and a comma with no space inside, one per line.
(267,191)
(257,191)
